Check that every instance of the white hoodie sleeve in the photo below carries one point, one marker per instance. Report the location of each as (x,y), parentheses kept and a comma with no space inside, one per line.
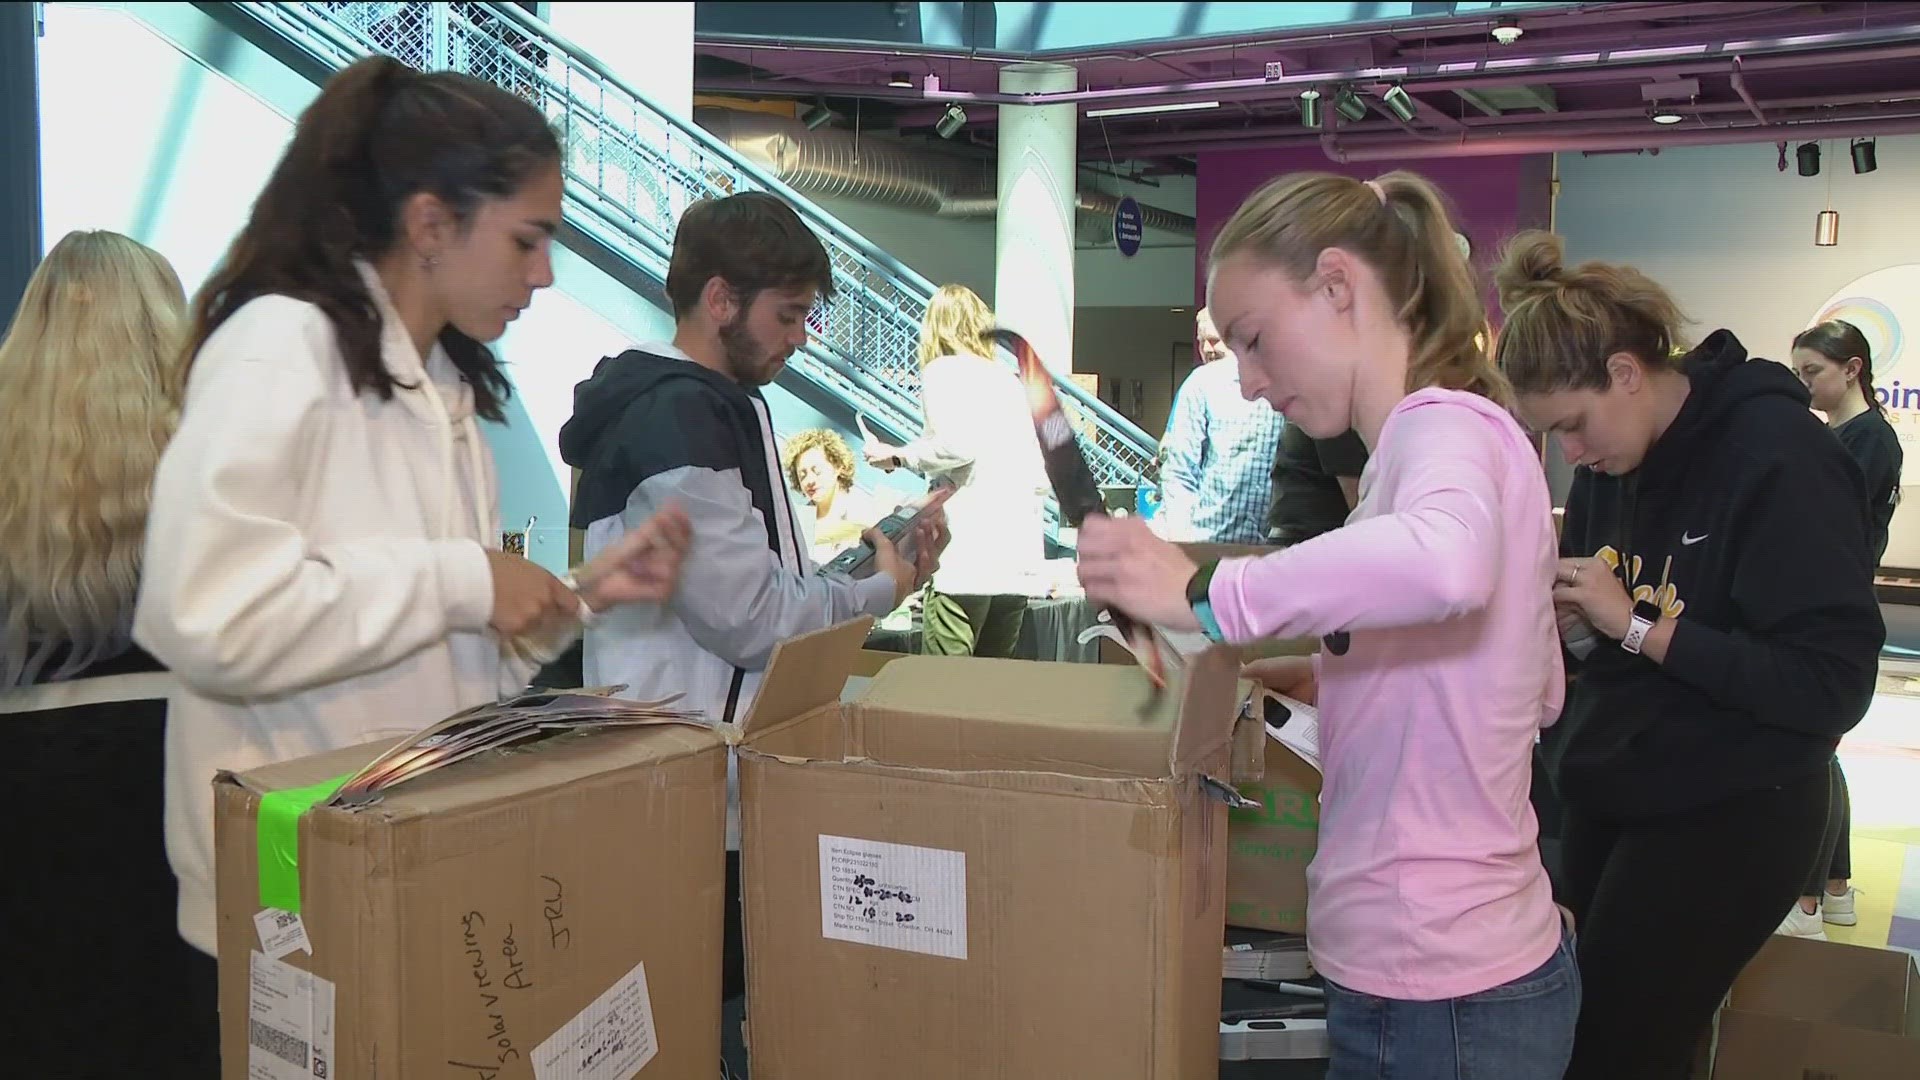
(237,597)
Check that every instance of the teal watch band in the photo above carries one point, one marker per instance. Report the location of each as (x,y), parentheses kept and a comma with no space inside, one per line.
(1199,598)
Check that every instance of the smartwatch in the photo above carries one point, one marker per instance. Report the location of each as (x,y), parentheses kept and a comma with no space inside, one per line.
(1201,602)
(1645,614)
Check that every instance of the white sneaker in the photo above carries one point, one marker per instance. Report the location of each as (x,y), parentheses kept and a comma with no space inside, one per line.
(1801,923)
(1837,908)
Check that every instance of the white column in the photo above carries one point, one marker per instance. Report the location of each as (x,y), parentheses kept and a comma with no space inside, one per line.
(1033,239)
(650,46)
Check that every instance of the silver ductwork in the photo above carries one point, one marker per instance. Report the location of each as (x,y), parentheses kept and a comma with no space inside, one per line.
(836,163)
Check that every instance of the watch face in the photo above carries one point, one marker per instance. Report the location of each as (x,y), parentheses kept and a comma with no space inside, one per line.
(1648,610)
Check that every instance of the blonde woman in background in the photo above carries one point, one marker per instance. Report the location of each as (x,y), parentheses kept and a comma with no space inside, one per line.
(820,465)
(979,437)
(90,375)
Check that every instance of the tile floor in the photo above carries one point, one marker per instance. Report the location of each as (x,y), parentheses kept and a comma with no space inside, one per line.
(1882,760)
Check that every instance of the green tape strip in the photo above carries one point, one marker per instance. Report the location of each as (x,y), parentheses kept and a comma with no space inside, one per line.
(278,832)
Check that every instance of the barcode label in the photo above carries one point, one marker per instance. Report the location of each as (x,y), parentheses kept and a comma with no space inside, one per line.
(282,933)
(289,1022)
(286,1047)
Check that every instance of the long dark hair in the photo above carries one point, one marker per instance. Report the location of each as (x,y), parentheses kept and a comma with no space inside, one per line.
(379,133)
(1841,341)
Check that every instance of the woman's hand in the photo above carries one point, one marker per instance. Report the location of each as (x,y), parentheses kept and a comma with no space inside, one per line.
(881,455)
(1288,676)
(1124,566)
(1589,587)
(642,566)
(525,597)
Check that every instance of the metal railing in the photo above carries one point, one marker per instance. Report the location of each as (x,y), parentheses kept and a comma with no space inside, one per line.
(631,169)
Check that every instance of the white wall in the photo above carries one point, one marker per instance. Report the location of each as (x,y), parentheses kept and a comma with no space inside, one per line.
(1153,345)
(1732,237)
(960,250)
(649,45)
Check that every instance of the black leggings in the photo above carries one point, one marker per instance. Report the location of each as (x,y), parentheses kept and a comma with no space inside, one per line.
(1653,974)
(1836,845)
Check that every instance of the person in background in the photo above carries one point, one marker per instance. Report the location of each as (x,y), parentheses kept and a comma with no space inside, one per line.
(1429,913)
(1835,362)
(322,563)
(819,465)
(1217,484)
(1316,484)
(90,375)
(1718,583)
(684,423)
(979,438)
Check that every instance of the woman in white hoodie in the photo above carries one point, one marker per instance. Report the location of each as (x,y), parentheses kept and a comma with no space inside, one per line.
(979,437)
(322,562)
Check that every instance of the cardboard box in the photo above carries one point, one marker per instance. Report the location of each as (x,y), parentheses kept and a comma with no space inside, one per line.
(983,868)
(1820,1010)
(1269,847)
(459,926)
(868,662)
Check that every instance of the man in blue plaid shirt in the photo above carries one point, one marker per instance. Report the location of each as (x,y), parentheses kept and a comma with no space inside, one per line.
(1217,483)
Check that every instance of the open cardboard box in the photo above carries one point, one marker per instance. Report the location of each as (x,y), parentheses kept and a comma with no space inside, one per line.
(1820,1010)
(983,867)
(518,914)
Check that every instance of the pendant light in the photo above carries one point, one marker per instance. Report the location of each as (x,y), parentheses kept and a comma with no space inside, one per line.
(1826,225)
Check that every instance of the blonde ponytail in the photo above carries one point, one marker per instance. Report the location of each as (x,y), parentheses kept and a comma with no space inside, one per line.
(1398,224)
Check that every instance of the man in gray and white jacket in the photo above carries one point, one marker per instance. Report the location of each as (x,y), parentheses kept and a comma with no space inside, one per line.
(685,423)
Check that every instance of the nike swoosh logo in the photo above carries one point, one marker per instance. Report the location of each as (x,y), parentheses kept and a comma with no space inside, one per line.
(1687,540)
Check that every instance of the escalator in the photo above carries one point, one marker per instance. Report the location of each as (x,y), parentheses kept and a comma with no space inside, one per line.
(631,169)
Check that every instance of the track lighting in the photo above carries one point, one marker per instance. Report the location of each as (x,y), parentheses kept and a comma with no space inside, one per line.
(1310,108)
(1808,154)
(1348,104)
(900,80)
(1865,158)
(1399,102)
(951,122)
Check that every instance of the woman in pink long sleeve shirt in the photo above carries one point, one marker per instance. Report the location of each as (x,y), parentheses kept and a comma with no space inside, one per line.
(1350,306)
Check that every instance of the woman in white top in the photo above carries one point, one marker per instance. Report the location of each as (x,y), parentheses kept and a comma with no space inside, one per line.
(979,437)
(323,564)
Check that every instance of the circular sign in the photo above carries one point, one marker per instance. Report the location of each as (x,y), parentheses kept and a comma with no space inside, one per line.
(1880,304)
(1129,225)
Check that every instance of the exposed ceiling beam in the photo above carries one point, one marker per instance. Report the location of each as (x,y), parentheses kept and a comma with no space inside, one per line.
(1477,100)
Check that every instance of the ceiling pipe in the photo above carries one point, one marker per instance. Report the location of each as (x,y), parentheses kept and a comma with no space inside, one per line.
(1599,22)
(1471,146)
(838,163)
(1760,54)
(1740,87)
(1524,124)
(1162,142)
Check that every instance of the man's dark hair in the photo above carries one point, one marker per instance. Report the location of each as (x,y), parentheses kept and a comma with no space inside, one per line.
(752,241)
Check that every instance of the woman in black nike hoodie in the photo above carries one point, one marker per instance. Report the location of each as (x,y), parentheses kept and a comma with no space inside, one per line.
(1716,590)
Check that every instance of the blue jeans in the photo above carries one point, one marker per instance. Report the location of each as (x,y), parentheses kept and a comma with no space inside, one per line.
(1520,1031)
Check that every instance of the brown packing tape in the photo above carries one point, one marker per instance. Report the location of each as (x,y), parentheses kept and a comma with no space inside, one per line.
(1250,736)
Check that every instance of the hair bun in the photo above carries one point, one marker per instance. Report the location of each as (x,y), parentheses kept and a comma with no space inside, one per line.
(1532,264)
